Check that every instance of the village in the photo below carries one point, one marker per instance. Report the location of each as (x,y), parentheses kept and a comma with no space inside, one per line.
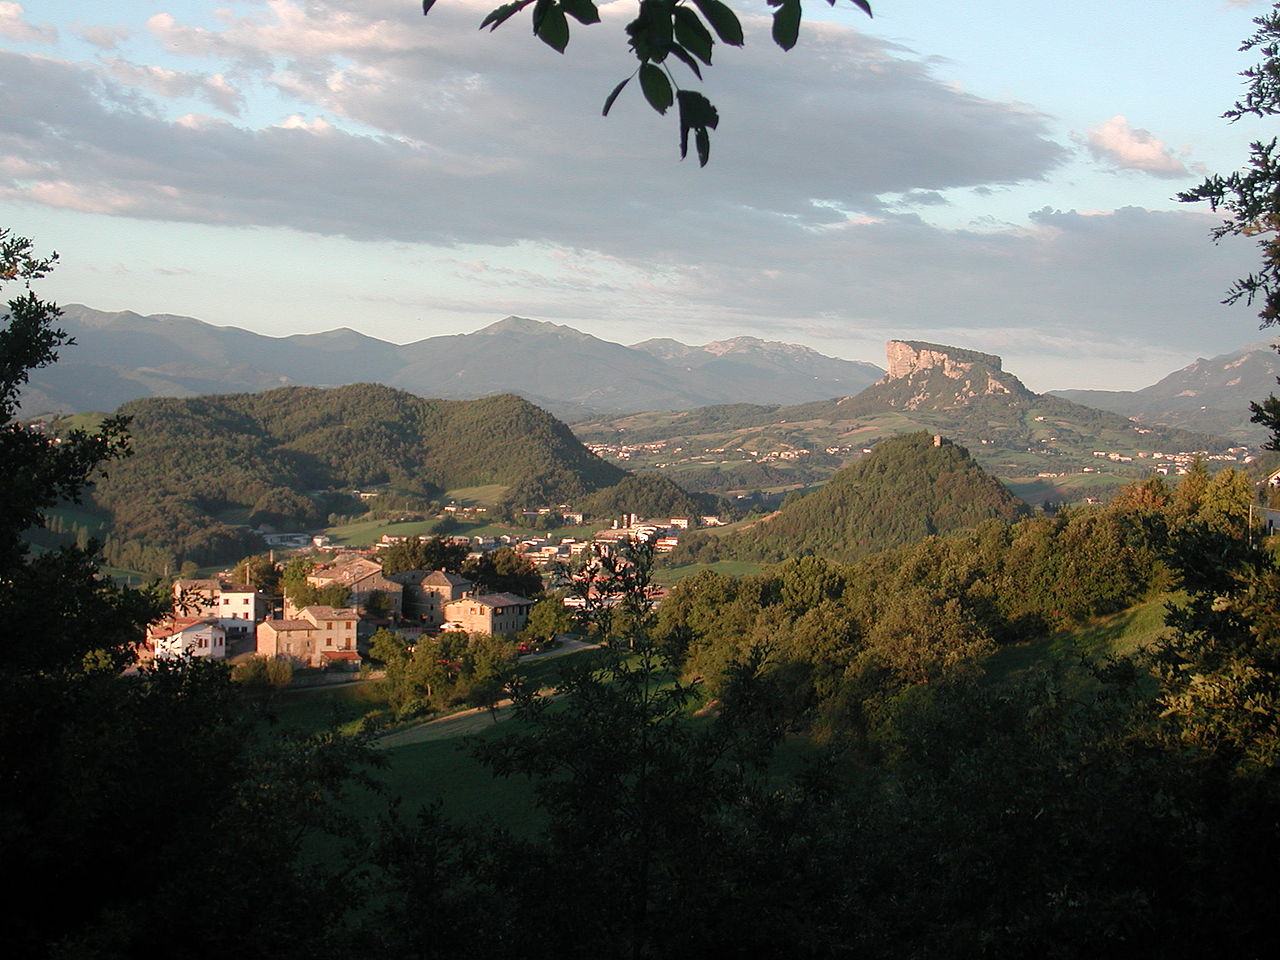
(219,618)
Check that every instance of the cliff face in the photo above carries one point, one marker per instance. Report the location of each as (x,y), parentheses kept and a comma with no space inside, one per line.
(909,356)
(933,375)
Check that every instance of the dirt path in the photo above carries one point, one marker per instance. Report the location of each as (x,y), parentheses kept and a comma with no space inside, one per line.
(447,728)
(476,719)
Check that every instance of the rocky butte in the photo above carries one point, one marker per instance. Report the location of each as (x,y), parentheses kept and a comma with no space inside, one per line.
(926,369)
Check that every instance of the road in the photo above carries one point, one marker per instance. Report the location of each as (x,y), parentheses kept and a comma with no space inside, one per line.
(476,719)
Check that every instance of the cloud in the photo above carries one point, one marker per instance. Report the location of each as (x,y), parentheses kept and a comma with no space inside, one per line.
(1114,141)
(379,125)
(104,37)
(215,89)
(14,25)
(445,135)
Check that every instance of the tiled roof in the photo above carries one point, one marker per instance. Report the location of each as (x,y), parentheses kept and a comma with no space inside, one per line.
(196,584)
(331,613)
(444,578)
(168,628)
(281,625)
(496,600)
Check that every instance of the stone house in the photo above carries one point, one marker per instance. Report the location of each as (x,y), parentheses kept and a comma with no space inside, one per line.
(498,613)
(427,591)
(318,636)
(363,577)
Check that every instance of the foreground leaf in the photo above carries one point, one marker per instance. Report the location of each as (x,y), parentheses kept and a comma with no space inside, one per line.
(656,87)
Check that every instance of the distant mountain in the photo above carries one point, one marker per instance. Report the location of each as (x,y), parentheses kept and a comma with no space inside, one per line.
(205,467)
(771,366)
(1208,395)
(910,487)
(124,356)
(1045,443)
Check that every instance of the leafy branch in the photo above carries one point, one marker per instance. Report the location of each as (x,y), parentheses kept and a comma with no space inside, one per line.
(663,30)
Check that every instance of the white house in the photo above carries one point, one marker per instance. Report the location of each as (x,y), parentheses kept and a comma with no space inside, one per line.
(176,637)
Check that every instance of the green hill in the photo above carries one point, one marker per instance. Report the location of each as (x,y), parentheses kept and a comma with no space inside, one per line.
(206,467)
(912,486)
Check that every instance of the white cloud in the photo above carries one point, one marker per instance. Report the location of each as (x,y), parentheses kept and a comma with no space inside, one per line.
(216,89)
(14,25)
(1115,141)
(495,139)
(810,221)
(104,37)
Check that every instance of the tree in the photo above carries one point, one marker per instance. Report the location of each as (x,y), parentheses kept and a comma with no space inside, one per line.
(434,553)
(504,571)
(259,572)
(663,31)
(548,618)
(293,580)
(120,793)
(1251,197)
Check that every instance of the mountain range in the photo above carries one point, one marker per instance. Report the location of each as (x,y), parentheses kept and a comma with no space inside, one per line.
(125,356)
(1210,395)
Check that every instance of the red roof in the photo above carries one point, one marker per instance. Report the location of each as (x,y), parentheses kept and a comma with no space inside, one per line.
(340,655)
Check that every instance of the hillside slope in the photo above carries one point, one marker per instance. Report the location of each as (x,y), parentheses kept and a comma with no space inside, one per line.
(910,487)
(204,467)
(1210,395)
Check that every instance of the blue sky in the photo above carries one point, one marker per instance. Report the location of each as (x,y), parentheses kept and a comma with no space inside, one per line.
(995,175)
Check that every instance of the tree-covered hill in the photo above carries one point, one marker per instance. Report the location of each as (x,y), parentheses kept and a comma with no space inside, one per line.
(204,466)
(912,486)
(650,495)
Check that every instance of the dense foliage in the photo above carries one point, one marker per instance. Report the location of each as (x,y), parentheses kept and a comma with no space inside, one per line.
(143,814)
(649,495)
(434,553)
(907,489)
(504,571)
(1088,814)
(442,671)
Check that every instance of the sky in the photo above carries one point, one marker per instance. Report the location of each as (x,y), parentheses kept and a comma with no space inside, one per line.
(997,175)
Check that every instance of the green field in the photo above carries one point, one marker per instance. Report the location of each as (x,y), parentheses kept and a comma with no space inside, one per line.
(438,767)
(1120,634)
(362,533)
(430,763)
(667,576)
(485,496)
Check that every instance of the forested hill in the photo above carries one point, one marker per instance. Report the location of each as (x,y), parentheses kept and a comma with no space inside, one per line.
(911,486)
(204,466)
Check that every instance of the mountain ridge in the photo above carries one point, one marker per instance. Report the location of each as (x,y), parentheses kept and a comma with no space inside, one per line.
(1209,394)
(124,356)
